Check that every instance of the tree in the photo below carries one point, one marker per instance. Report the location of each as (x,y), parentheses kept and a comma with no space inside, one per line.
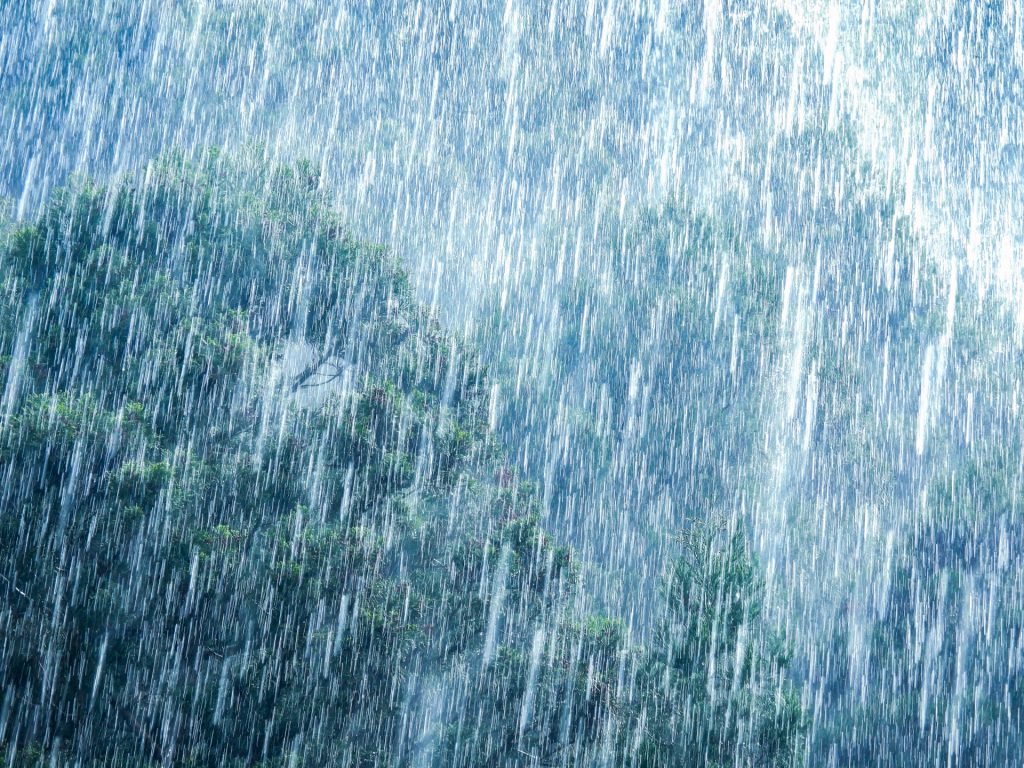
(712,689)
(252,513)
(250,500)
(709,689)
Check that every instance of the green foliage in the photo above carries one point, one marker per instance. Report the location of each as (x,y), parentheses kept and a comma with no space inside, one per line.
(709,690)
(291,542)
(712,690)
(256,483)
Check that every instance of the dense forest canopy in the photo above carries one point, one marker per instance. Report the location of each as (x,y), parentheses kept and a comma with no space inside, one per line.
(254,510)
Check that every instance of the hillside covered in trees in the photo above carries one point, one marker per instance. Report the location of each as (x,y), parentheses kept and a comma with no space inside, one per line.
(250,516)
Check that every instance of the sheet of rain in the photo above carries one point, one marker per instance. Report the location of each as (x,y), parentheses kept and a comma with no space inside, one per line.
(498,383)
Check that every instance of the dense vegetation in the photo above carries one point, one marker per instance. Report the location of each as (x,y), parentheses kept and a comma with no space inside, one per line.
(833,388)
(253,512)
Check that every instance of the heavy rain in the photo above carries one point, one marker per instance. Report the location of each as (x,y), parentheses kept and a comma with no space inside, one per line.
(498,383)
